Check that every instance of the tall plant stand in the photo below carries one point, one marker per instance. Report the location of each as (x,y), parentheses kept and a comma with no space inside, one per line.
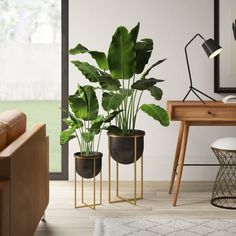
(84,204)
(132,200)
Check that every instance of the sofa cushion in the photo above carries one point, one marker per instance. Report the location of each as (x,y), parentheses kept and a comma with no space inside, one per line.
(15,122)
(3,136)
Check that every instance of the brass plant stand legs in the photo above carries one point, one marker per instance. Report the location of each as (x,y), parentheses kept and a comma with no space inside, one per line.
(94,204)
(122,199)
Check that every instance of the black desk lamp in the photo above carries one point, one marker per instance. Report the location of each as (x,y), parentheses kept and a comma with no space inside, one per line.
(212,49)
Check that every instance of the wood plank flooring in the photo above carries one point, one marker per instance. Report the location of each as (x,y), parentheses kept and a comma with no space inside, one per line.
(63,219)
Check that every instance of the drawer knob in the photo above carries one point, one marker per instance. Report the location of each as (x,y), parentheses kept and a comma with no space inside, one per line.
(210,113)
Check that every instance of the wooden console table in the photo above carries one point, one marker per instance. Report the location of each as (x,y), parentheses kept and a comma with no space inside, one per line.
(195,113)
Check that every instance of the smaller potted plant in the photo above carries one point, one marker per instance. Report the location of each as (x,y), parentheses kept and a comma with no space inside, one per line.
(84,123)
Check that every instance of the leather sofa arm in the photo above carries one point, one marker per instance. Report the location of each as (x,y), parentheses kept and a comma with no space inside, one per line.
(27,162)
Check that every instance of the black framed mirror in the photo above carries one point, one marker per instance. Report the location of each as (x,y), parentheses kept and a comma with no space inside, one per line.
(225,35)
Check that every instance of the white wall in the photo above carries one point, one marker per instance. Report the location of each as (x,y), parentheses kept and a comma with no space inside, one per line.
(170,24)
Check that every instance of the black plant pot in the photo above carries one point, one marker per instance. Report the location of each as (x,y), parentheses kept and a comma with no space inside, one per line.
(122,147)
(84,165)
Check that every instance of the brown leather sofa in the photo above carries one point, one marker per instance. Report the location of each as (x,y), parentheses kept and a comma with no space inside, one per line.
(24,179)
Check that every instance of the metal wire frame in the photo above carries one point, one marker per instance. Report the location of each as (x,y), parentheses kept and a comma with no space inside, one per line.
(224,190)
(94,204)
(133,200)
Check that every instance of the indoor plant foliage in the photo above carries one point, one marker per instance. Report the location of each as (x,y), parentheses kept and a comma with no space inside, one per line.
(84,123)
(123,80)
(122,76)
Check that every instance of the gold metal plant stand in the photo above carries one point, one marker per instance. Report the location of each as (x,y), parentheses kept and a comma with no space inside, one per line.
(133,200)
(94,204)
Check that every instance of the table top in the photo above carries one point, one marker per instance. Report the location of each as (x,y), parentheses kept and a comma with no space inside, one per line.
(198,103)
(196,111)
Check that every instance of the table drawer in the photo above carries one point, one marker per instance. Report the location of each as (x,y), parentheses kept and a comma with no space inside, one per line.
(203,112)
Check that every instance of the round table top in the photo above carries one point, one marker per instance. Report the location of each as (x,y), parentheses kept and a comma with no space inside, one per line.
(228,143)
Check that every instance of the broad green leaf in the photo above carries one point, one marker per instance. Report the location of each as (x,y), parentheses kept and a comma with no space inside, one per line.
(111,116)
(149,69)
(108,83)
(111,101)
(67,135)
(121,55)
(73,118)
(114,129)
(87,136)
(89,71)
(134,33)
(78,49)
(157,113)
(68,122)
(96,124)
(78,106)
(92,102)
(100,57)
(73,123)
(156,92)
(143,51)
(144,84)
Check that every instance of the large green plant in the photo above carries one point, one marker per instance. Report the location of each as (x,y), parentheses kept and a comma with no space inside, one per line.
(122,78)
(83,121)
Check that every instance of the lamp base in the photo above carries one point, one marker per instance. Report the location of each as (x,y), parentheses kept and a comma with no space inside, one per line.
(195,91)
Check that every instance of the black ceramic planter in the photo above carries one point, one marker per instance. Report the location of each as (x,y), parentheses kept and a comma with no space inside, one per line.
(122,147)
(84,165)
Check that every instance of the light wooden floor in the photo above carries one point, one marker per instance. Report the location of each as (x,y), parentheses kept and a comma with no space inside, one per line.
(63,219)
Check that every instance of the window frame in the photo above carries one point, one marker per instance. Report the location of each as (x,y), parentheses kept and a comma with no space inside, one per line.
(63,175)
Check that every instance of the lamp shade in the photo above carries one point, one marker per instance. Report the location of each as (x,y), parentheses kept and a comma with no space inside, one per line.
(211,48)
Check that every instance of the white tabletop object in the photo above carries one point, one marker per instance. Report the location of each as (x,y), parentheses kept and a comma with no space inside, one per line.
(228,143)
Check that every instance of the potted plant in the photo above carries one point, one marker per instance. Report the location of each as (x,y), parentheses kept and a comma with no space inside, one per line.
(84,123)
(123,79)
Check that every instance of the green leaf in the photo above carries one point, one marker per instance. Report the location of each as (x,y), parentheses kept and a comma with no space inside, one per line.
(114,129)
(144,84)
(143,51)
(87,136)
(68,122)
(111,101)
(108,83)
(89,71)
(121,55)
(78,106)
(67,135)
(96,124)
(157,113)
(149,69)
(134,33)
(73,118)
(156,92)
(100,57)
(78,49)
(73,123)
(111,116)
(92,102)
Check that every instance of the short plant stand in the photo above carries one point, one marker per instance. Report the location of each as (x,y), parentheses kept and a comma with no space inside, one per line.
(87,161)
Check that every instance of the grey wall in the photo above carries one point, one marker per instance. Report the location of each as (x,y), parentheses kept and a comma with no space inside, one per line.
(171,24)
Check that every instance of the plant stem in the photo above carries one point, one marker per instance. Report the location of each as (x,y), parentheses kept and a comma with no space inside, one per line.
(99,138)
(137,109)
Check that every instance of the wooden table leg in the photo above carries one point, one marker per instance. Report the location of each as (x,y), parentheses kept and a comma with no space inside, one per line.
(175,164)
(181,160)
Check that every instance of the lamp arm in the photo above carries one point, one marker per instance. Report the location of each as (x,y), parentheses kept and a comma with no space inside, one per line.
(186,55)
